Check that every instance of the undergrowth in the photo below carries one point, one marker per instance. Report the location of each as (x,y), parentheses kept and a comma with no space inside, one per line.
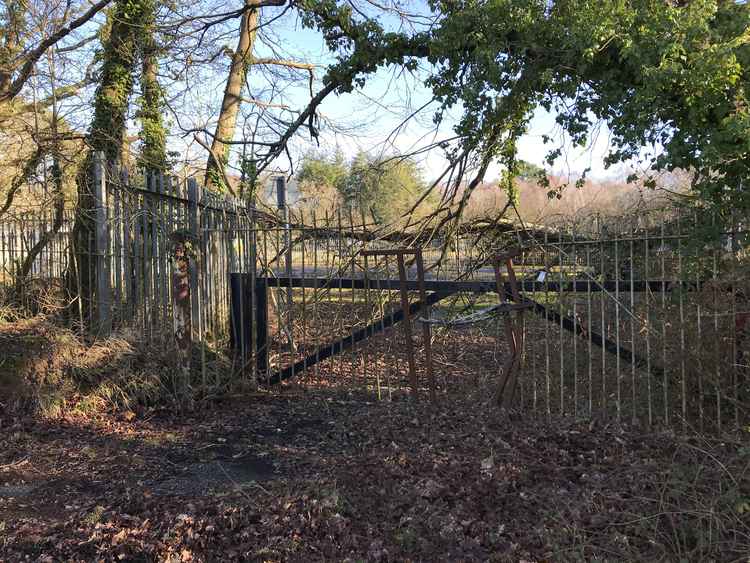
(50,370)
(695,509)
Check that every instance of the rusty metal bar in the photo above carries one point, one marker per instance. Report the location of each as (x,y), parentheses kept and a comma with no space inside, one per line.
(509,367)
(426,333)
(390,252)
(409,344)
(328,350)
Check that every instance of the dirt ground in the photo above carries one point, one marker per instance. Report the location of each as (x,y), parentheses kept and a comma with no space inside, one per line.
(312,475)
(318,473)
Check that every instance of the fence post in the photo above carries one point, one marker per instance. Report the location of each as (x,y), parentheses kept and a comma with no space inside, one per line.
(284,211)
(181,305)
(194,225)
(101,249)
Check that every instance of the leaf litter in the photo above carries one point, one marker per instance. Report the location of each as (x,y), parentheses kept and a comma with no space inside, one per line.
(322,475)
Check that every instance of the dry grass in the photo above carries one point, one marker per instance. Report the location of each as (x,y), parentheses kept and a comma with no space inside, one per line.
(695,508)
(50,370)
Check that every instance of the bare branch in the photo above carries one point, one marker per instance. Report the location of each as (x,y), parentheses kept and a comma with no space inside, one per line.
(34,55)
(279,62)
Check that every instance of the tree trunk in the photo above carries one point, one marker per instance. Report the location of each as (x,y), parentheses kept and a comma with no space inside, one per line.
(230,105)
(106,134)
(153,154)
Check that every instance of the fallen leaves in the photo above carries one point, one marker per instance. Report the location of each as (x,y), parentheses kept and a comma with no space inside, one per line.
(352,479)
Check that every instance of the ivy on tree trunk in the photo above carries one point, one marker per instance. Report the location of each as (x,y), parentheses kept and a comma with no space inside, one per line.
(108,127)
(153,154)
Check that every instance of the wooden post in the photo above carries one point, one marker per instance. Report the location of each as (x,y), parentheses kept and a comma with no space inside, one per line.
(101,235)
(194,225)
(181,307)
(407,323)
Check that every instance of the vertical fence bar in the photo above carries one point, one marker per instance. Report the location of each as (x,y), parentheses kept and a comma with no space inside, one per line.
(164,266)
(303,274)
(734,280)
(390,368)
(368,310)
(136,215)
(103,273)
(665,380)
(117,226)
(194,265)
(337,267)
(574,334)
(647,316)
(588,328)
(561,312)
(603,270)
(276,297)
(547,370)
(529,259)
(148,296)
(618,374)
(252,267)
(261,295)
(699,331)
(353,317)
(681,288)
(315,297)
(631,268)
(717,334)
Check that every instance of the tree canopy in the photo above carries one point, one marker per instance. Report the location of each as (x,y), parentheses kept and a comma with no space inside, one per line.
(384,189)
(667,77)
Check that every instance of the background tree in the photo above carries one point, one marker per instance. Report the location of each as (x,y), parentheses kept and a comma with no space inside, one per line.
(384,188)
(320,178)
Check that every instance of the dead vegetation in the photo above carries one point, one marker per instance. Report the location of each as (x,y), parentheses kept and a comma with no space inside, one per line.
(48,370)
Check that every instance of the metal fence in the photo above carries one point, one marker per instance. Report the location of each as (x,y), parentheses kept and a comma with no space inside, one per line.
(641,319)
(646,320)
(131,264)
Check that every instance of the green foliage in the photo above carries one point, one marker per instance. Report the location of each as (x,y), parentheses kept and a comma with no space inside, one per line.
(668,78)
(386,189)
(529,171)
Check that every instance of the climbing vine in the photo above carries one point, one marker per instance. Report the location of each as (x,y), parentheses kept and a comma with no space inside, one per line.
(116,82)
(153,134)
